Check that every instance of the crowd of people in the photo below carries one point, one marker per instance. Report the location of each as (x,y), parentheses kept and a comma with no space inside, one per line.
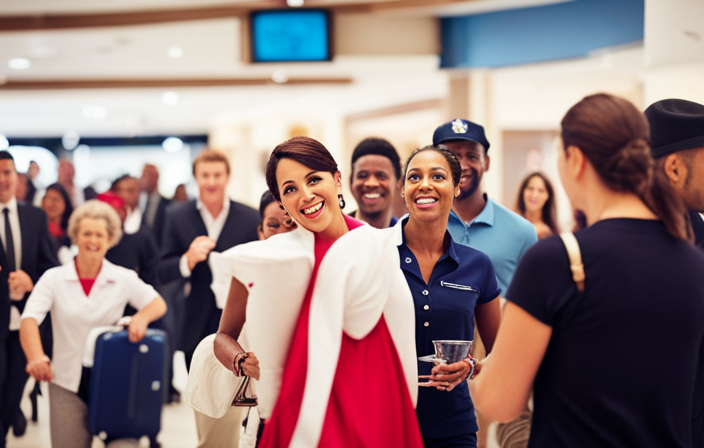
(329,311)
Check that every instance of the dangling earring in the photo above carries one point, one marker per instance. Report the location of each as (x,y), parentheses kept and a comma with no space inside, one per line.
(341,201)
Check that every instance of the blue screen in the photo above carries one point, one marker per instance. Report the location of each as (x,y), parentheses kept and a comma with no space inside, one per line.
(290,36)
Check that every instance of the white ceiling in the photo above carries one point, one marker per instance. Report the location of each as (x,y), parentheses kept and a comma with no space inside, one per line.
(19,7)
(211,48)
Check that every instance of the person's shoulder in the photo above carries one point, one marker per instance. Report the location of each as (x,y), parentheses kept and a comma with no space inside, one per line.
(465,252)
(116,272)
(181,208)
(242,209)
(57,271)
(30,209)
(548,250)
(511,217)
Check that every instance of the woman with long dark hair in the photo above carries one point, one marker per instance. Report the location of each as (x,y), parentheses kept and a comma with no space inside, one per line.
(585,345)
(57,206)
(536,203)
(327,309)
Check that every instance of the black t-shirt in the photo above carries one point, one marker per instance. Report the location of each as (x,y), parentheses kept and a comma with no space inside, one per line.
(620,367)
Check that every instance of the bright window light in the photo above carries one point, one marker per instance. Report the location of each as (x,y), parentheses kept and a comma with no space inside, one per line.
(19,63)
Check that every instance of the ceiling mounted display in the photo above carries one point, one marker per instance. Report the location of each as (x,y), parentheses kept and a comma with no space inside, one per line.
(302,35)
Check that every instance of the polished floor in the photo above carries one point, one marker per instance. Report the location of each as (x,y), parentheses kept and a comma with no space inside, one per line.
(178,427)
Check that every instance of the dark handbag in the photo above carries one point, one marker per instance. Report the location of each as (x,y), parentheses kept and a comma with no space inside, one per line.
(241,398)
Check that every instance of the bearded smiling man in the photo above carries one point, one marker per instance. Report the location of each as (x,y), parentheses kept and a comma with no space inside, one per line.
(476,220)
(480,223)
(375,182)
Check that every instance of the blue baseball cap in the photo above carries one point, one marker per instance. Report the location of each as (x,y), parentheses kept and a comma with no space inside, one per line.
(459,129)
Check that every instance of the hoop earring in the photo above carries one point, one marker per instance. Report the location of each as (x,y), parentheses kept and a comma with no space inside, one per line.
(341,201)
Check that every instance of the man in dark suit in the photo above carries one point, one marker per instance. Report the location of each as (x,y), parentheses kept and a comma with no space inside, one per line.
(194,229)
(26,252)
(152,204)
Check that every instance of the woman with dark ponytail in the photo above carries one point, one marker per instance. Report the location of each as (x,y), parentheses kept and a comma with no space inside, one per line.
(587,347)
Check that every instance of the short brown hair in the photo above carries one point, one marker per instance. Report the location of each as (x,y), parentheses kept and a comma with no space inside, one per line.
(304,150)
(211,155)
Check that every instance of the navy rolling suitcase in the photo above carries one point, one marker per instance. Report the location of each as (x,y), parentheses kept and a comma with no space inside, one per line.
(127,386)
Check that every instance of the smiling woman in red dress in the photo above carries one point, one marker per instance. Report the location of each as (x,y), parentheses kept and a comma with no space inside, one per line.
(327,309)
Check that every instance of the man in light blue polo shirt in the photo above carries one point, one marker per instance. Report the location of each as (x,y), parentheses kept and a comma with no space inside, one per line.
(479,222)
(476,220)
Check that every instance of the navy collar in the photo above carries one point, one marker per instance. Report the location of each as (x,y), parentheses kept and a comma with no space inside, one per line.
(450,245)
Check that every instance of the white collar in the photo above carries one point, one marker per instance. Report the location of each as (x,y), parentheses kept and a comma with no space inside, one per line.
(11,204)
(106,274)
(225,205)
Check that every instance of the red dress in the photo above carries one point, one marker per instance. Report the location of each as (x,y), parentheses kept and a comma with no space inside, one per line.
(369,403)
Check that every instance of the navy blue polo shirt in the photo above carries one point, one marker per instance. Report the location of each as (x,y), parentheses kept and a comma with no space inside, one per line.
(462,278)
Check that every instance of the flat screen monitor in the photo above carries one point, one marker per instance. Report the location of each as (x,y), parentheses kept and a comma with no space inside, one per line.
(301,35)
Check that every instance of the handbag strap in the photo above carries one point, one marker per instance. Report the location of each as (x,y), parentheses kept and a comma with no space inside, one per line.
(575,256)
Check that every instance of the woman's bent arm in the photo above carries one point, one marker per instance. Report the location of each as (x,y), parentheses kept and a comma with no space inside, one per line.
(38,364)
(488,318)
(141,320)
(502,390)
(231,323)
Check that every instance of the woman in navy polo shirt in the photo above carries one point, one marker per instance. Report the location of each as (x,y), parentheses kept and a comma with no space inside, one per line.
(450,283)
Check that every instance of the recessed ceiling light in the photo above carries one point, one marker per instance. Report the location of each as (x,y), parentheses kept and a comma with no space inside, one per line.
(94,112)
(172,144)
(175,52)
(169,98)
(294,3)
(19,63)
(4,143)
(279,76)
(70,140)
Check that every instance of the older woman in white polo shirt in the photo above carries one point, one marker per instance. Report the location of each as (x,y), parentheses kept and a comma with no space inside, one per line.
(87,293)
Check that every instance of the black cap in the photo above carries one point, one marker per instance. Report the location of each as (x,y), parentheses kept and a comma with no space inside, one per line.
(459,129)
(675,125)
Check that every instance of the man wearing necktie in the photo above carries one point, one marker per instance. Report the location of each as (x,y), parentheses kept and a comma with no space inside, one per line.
(25,254)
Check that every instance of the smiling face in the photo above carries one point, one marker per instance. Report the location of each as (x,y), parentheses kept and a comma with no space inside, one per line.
(273,222)
(212,179)
(535,195)
(309,196)
(428,187)
(474,163)
(373,184)
(128,190)
(93,239)
(53,205)
(8,180)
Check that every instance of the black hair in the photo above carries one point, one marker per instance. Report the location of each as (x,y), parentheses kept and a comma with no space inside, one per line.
(379,147)
(68,208)
(5,155)
(304,150)
(267,198)
(116,182)
(450,156)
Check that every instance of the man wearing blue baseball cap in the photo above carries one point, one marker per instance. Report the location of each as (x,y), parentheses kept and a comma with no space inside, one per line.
(479,222)
(476,220)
